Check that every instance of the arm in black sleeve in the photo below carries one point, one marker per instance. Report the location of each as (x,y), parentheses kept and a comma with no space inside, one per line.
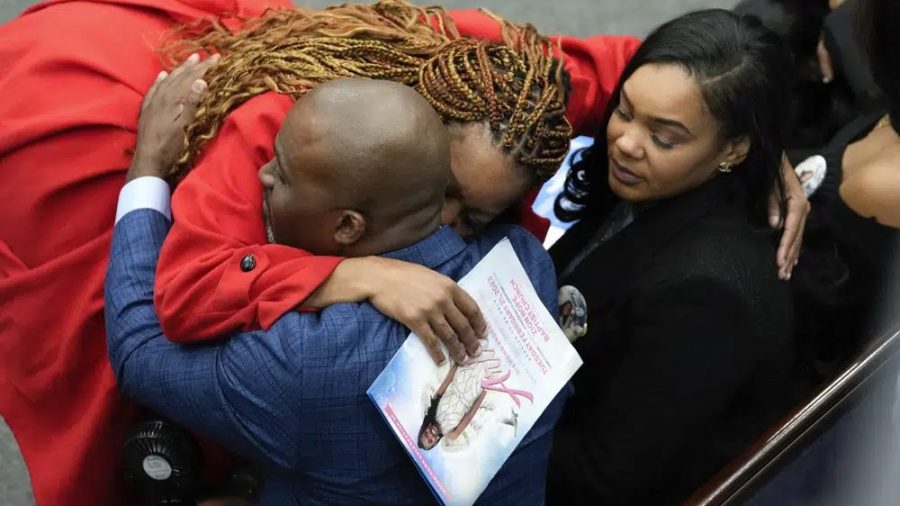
(686,355)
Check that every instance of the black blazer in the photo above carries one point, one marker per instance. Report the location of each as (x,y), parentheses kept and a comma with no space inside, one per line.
(688,353)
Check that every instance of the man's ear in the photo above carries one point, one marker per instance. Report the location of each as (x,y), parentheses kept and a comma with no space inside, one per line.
(737,150)
(351,226)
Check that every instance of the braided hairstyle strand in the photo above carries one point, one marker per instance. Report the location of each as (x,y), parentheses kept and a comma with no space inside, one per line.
(517,87)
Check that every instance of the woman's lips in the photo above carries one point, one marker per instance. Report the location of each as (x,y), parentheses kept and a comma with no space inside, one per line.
(623,175)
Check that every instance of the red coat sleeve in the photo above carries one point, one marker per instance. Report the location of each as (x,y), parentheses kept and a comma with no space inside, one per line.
(73,86)
(202,292)
(594,64)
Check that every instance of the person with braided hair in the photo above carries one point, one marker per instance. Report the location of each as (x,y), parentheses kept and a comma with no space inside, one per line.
(504,113)
(505,110)
(65,144)
(293,398)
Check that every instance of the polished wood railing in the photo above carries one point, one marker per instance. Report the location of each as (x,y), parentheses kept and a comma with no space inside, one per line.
(734,484)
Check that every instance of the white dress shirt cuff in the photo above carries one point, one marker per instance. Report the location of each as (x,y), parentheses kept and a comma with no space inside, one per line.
(144,193)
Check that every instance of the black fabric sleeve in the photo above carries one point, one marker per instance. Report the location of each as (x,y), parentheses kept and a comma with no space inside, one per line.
(685,357)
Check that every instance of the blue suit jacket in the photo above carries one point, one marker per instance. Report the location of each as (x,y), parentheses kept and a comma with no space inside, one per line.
(293,398)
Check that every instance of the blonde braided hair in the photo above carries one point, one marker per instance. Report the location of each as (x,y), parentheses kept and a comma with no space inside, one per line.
(291,51)
(476,81)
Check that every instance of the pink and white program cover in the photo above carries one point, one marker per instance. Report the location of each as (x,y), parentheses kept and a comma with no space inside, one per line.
(460,423)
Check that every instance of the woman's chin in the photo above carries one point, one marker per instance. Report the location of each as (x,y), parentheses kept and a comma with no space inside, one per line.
(626,192)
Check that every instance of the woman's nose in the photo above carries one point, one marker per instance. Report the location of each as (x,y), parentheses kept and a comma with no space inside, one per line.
(629,144)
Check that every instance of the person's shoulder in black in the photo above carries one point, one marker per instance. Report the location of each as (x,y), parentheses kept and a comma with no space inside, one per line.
(724,251)
(688,354)
(688,350)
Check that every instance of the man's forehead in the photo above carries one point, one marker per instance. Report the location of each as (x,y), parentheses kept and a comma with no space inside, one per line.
(283,155)
(300,130)
(303,147)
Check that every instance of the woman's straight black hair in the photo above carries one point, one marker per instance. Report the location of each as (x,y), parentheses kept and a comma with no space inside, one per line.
(741,69)
(430,418)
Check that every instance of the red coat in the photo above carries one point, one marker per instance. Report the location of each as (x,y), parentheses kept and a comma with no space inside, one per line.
(73,77)
(201,291)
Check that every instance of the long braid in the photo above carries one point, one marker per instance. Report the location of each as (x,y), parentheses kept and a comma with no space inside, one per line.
(515,87)
(477,81)
(291,51)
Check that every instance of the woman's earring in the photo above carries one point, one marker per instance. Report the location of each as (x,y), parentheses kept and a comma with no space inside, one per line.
(725,167)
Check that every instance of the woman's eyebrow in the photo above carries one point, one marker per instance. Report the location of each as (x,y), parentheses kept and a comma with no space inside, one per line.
(660,121)
(674,124)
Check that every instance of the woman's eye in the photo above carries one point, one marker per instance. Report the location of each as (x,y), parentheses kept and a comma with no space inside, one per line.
(623,113)
(663,143)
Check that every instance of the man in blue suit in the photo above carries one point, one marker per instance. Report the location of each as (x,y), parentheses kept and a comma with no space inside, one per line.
(293,398)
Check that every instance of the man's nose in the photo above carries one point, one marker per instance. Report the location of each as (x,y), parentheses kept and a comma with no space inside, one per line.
(265,176)
(451,212)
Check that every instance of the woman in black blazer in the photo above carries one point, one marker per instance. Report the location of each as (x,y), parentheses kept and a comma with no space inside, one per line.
(689,341)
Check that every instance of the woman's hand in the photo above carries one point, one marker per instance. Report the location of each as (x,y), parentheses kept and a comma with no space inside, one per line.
(165,112)
(430,304)
(797,211)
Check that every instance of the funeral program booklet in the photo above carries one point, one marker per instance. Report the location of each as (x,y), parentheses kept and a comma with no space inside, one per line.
(459,423)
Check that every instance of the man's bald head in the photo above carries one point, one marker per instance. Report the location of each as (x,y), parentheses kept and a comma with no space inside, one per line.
(375,148)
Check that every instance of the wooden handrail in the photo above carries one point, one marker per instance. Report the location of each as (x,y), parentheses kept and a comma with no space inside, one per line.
(742,475)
